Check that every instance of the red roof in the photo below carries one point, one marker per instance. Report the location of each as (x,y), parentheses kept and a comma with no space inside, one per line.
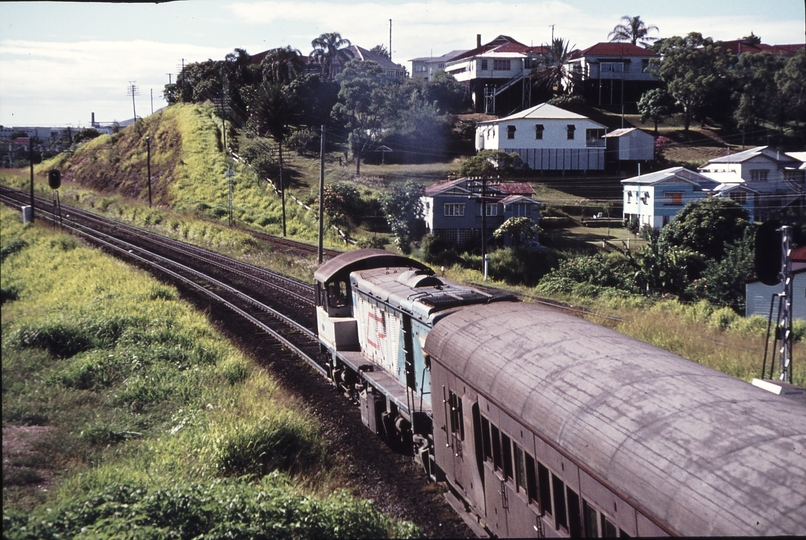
(741,46)
(614,48)
(799,254)
(515,188)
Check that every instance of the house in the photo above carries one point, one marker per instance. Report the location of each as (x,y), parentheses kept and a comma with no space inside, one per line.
(496,74)
(613,73)
(654,199)
(425,67)
(390,69)
(547,138)
(453,210)
(758,295)
(777,178)
(629,145)
(747,46)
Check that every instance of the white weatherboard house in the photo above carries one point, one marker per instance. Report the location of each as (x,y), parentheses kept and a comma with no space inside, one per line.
(547,138)
(777,178)
(655,198)
(758,295)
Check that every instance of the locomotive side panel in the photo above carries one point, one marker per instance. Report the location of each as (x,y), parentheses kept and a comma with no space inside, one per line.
(378,332)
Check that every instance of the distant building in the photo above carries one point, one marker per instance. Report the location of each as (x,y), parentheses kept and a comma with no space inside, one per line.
(453,210)
(777,178)
(654,199)
(496,74)
(547,138)
(629,146)
(425,67)
(614,73)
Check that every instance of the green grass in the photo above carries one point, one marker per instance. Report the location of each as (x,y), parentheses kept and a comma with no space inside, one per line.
(144,404)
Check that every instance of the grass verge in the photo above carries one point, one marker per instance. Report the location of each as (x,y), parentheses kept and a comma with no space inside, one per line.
(147,422)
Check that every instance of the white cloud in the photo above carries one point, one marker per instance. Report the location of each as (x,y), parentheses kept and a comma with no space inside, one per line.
(86,77)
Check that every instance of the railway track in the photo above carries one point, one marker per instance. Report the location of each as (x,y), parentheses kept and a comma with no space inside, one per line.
(272,317)
(276,304)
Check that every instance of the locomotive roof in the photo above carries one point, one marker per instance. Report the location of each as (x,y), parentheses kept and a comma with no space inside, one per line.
(419,292)
(707,453)
(340,266)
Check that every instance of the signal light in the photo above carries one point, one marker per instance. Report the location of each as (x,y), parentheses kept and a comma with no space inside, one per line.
(769,252)
(54,179)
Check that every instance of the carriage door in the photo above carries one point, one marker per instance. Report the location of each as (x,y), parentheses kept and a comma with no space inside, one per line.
(456,437)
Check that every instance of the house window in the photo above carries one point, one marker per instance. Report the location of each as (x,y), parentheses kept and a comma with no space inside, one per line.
(594,136)
(455,209)
(492,209)
(674,198)
(420,68)
(510,132)
(484,63)
(539,131)
(501,65)
(739,196)
(612,67)
(759,175)
(571,129)
(629,197)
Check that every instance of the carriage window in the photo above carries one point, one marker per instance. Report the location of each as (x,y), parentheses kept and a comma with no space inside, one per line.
(496,447)
(560,517)
(574,520)
(591,520)
(507,446)
(520,469)
(531,479)
(457,425)
(337,294)
(543,484)
(609,530)
(485,439)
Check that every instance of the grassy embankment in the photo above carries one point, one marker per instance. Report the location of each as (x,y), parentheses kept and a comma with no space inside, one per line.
(147,422)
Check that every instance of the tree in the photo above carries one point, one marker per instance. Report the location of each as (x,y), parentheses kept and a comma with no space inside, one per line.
(755,89)
(722,282)
(633,30)
(696,72)
(520,229)
(791,81)
(492,163)
(707,226)
(404,212)
(655,105)
(381,50)
(553,73)
(328,49)
(273,111)
(362,106)
(282,65)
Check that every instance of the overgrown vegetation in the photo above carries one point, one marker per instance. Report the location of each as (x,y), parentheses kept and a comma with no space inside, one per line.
(152,424)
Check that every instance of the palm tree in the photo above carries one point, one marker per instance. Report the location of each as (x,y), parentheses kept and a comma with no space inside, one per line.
(633,30)
(282,65)
(328,49)
(274,110)
(553,73)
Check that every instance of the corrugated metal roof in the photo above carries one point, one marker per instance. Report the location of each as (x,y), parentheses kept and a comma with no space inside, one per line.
(705,452)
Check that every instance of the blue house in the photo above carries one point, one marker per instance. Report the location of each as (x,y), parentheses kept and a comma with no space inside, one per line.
(656,198)
(453,210)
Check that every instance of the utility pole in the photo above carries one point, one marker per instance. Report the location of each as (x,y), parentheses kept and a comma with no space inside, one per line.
(322,195)
(148,161)
(31,160)
(390,40)
(552,34)
(152,101)
(132,91)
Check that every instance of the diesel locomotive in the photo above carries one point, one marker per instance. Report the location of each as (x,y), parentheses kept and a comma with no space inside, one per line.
(547,425)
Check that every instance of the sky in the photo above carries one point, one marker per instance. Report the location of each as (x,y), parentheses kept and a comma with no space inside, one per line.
(62,61)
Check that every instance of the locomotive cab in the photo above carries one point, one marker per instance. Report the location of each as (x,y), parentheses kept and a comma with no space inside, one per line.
(335,318)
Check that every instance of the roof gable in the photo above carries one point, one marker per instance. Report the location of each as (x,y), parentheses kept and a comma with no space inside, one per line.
(678,174)
(544,111)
